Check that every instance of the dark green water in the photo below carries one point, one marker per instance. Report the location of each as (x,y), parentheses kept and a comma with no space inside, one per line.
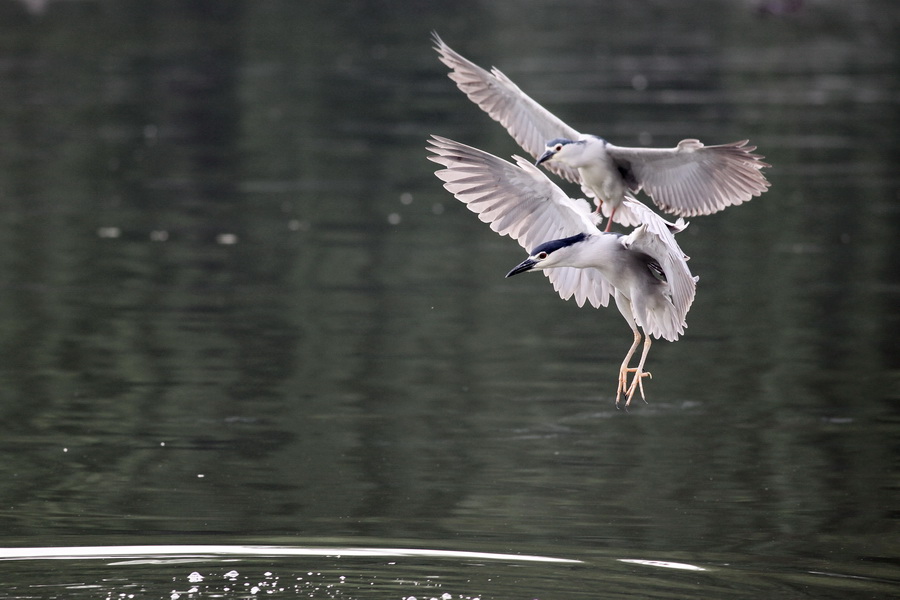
(237,308)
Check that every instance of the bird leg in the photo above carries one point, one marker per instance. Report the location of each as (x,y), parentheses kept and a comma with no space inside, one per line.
(624,370)
(610,222)
(638,381)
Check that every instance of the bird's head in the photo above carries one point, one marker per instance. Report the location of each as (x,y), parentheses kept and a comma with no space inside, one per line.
(559,150)
(556,253)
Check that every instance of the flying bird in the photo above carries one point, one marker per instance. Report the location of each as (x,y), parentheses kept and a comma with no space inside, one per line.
(687,180)
(645,271)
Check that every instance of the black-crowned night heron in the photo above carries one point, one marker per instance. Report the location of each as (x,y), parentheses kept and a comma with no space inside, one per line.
(690,179)
(645,271)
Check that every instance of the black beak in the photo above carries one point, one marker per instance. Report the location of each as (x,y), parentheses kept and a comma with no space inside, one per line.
(547,155)
(523,266)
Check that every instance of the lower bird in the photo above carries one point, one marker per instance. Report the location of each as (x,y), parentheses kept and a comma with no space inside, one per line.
(645,271)
(687,180)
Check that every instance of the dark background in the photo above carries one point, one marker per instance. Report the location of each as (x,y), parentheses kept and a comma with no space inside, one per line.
(223,253)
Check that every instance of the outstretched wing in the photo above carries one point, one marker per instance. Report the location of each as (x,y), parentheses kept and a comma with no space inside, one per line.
(519,201)
(529,123)
(656,238)
(693,179)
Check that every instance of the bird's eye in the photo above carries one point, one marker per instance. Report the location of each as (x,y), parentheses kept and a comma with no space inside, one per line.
(558,147)
(542,255)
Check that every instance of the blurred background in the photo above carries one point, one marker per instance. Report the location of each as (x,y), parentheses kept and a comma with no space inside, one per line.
(236,304)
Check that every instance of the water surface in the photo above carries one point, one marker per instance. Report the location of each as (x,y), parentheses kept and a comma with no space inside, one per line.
(238,310)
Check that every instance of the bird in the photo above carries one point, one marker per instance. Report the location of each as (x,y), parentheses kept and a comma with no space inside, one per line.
(688,180)
(645,271)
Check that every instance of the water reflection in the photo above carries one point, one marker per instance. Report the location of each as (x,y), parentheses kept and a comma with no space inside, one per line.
(352,363)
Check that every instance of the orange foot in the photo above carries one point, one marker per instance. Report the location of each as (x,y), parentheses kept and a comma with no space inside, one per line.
(637,383)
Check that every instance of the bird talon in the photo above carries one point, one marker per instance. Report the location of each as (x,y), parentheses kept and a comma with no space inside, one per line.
(637,383)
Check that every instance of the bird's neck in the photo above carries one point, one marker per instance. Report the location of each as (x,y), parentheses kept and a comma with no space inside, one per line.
(591,152)
(594,252)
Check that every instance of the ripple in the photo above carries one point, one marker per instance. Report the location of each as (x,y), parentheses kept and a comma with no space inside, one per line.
(104,552)
(662,564)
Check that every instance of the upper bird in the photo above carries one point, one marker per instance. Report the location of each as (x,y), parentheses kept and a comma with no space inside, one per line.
(645,271)
(690,179)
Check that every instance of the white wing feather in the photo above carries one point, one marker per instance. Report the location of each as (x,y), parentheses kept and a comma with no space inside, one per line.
(519,201)
(693,179)
(655,238)
(529,123)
